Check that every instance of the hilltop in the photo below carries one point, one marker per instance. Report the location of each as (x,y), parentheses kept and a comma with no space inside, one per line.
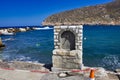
(108,14)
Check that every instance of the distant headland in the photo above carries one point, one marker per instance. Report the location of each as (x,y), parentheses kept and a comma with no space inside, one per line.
(104,14)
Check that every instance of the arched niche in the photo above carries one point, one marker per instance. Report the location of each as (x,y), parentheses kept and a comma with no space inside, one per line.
(68,40)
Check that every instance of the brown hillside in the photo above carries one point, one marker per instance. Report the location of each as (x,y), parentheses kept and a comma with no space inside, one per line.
(99,14)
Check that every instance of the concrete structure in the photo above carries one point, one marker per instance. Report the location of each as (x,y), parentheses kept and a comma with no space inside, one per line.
(68,47)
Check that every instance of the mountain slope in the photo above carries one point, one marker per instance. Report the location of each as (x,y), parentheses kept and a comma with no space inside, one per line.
(100,14)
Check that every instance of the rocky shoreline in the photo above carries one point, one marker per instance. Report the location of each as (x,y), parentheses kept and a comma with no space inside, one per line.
(14,30)
(100,73)
(23,65)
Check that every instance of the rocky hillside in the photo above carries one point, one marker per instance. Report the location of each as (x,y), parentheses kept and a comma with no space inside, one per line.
(100,14)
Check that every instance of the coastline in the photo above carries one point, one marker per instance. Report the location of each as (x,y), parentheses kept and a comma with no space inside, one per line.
(45,74)
(23,65)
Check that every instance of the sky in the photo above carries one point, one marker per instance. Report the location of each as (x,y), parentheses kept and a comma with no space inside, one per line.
(33,12)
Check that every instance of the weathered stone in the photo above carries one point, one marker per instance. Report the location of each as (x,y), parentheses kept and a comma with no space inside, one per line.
(76,30)
(80,31)
(67,59)
(63,27)
(57,61)
(79,47)
(58,29)
(56,33)
(72,53)
(56,47)
(62,74)
(1,44)
(72,27)
(68,47)
(56,40)
(54,30)
(79,35)
(58,43)
(77,43)
(55,43)
(100,72)
(60,52)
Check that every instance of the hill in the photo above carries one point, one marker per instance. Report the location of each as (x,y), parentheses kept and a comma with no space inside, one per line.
(108,14)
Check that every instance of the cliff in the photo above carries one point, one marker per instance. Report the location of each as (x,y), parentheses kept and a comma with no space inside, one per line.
(108,14)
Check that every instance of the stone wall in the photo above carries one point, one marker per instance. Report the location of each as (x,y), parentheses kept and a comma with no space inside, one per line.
(67,59)
(77,30)
(64,58)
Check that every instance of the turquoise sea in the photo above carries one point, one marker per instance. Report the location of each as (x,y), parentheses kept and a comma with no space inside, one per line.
(101,46)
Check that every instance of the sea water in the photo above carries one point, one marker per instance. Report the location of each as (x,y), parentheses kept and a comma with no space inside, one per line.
(101,46)
(33,46)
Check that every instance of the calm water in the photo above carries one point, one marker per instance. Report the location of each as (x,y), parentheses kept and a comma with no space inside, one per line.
(101,46)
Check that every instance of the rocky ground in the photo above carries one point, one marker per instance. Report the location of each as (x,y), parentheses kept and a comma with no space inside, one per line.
(23,65)
(35,71)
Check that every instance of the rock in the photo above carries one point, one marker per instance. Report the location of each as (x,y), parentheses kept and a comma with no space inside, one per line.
(101,72)
(60,52)
(22,29)
(62,74)
(1,44)
(27,66)
(55,77)
(4,64)
(67,59)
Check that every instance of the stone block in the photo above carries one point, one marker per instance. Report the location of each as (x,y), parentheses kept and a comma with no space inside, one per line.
(60,52)
(73,27)
(55,43)
(80,47)
(57,61)
(80,41)
(56,33)
(71,66)
(79,38)
(76,43)
(54,30)
(76,61)
(72,53)
(54,36)
(80,31)
(79,35)
(80,26)
(58,43)
(56,27)
(76,30)
(67,59)
(56,47)
(63,27)
(56,40)
(58,30)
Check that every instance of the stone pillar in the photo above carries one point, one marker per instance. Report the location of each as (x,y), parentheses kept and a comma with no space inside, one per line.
(68,47)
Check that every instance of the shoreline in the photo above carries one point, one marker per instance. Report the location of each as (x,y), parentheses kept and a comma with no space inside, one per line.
(46,74)
(21,65)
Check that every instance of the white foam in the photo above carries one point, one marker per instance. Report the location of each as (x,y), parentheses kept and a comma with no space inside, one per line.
(44,28)
(8,39)
(111,60)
